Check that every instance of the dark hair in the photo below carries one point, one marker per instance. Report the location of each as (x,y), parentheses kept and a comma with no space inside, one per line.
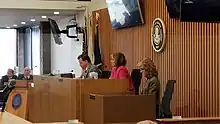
(11,70)
(120,59)
(84,58)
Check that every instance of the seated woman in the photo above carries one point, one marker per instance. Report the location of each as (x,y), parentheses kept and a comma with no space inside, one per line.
(119,71)
(150,84)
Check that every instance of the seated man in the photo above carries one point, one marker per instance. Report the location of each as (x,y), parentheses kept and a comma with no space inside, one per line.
(10,75)
(88,69)
(27,74)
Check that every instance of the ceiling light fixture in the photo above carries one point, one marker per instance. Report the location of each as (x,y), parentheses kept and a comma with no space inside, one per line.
(43,17)
(56,13)
(23,23)
(8,27)
(32,20)
(15,25)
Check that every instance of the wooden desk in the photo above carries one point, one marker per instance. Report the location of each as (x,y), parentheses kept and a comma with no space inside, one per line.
(116,108)
(56,99)
(202,120)
(8,118)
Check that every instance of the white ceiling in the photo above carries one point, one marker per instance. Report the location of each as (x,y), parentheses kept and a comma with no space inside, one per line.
(10,17)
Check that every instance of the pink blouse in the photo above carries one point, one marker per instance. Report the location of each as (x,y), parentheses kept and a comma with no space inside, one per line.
(121,73)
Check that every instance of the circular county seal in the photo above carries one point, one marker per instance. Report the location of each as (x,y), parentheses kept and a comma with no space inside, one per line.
(16,101)
(158,35)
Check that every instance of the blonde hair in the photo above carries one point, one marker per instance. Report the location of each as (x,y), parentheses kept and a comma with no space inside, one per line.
(148,65)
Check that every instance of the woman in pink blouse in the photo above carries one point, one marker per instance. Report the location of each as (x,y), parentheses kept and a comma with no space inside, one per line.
(119,71)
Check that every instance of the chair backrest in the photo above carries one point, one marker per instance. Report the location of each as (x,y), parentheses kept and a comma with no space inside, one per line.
(167,97)
(106,74)
(4,97)
(136,78)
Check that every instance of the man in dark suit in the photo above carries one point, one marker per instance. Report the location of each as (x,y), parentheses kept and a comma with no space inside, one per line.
(87,67)
(27,74)
(5,79)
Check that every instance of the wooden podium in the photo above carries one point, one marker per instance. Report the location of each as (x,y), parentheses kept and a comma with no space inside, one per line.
(18,99)
(56,99)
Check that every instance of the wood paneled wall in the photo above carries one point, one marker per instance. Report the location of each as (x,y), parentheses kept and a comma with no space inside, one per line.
(191,56)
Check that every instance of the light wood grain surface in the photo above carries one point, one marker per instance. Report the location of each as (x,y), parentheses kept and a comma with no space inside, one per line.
(190,119)
(8,118)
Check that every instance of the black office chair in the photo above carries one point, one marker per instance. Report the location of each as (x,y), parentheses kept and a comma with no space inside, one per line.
(165,111)
(106,74)
(136,78)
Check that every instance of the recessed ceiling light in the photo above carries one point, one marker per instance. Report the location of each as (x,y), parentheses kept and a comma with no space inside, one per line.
(33,20)
(56,13)
(7,27)
(23,23)
(15,25)
(43,17)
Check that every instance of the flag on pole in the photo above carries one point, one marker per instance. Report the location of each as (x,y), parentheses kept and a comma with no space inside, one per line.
(97,51)
(89,28)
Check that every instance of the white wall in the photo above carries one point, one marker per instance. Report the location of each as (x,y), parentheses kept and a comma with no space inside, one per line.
(96,5)
(7,50)
(64,57)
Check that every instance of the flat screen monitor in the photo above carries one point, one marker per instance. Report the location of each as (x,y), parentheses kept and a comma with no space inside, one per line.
(173,7)
(200,10)
(55,31)
(124,13)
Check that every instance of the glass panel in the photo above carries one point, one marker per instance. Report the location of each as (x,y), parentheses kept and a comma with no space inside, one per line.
(36,50)
(27,48)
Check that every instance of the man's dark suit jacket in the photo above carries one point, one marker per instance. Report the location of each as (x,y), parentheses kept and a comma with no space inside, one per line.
(5,79)
(22,77)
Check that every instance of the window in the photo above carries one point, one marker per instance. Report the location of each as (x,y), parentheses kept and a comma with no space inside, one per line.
(7,50)
(27,48)
(36,50)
